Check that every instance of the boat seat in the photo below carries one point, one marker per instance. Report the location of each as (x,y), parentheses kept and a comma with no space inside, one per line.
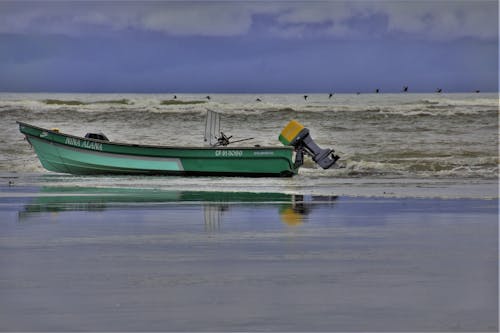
(96,136)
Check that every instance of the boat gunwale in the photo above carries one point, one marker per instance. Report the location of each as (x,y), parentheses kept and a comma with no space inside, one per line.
(150,146)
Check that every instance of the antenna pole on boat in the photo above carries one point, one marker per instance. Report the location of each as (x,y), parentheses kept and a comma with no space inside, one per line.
(241,140)
(206,123)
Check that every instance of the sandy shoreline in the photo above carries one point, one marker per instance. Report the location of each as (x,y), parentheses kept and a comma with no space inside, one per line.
(81,259)
(443,188)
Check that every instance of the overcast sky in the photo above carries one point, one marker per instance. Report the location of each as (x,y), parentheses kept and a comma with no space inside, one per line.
(248,47)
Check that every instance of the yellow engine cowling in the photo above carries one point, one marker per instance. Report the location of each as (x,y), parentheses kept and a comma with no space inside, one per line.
(290,132)
(296,135)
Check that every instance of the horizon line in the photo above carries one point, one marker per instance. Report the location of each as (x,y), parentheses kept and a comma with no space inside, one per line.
(253,93)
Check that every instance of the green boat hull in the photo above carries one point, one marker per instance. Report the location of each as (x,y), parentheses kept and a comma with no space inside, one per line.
(65,153)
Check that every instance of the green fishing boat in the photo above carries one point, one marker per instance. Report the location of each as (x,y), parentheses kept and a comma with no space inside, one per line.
(95,154)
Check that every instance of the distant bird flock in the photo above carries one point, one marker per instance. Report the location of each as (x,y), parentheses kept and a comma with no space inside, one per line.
(404,89)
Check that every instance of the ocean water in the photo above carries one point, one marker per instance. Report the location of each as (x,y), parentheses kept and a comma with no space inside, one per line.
(401,144)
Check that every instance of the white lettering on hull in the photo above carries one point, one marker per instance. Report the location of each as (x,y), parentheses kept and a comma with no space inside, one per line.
(84,144)
(228,153)
(263,153)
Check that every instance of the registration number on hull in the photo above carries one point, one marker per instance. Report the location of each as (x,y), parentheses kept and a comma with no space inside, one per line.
(228,153)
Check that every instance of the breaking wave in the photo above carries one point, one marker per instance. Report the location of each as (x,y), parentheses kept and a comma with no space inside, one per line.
(404,105)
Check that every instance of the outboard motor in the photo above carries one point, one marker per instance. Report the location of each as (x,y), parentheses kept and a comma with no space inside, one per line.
(296,135)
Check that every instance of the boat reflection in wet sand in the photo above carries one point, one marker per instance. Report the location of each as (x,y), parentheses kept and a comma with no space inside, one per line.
(292,209)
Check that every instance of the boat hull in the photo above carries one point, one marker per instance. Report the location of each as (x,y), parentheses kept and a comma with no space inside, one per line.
(65,153)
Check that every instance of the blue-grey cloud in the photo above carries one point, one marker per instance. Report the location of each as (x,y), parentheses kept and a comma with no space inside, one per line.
(440,20)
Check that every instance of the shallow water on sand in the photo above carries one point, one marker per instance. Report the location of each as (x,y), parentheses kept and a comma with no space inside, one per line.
(108,259)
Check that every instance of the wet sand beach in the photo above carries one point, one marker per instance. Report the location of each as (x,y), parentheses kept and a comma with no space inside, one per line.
(96,259)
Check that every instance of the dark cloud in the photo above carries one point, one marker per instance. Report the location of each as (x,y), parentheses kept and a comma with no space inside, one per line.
(424,19)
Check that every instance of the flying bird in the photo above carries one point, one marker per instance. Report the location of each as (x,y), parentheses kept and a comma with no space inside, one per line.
(439,90)
(258,100)
(208,97)
(330,96)
(405,88)
(377,90)
(305,97)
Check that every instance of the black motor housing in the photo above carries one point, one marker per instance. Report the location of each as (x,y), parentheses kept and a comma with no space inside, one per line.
(304,143)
